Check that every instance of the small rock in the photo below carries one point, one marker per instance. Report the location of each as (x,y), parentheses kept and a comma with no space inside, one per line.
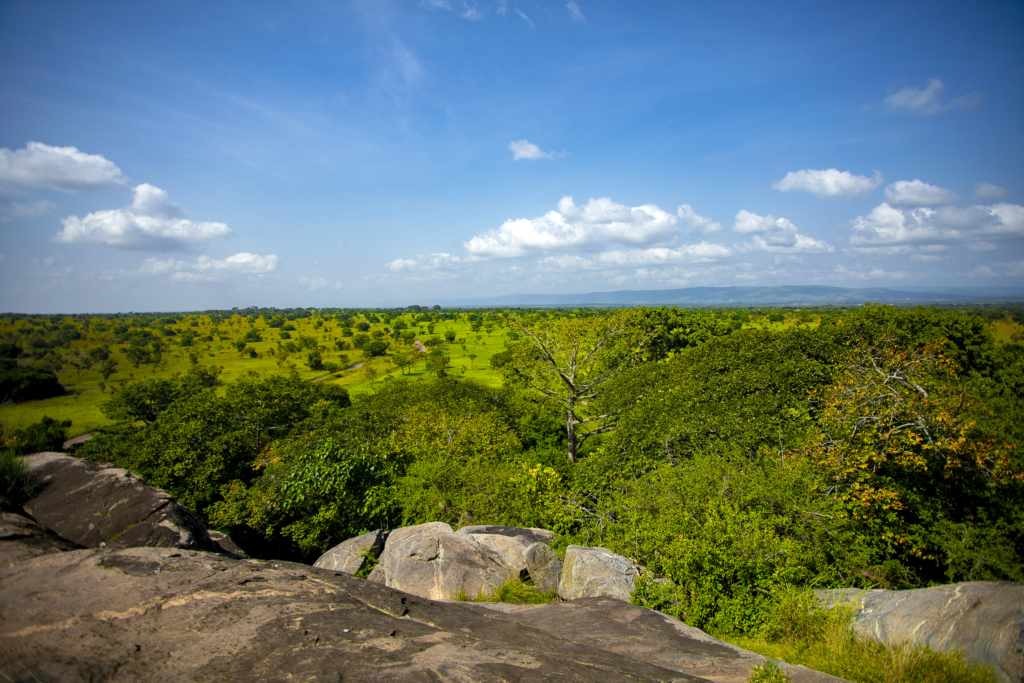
(350,556)
(596,572)
(543,566)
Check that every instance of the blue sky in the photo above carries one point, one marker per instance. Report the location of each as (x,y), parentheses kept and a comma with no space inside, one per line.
(183,156)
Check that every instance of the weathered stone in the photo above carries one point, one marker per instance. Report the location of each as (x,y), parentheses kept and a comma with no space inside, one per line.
(509,548)
(534,535)
(226,546)
(543,566)
(983,620)
(94,504)
(596,572)
(431,561)
(21,537)
(350,556)
(646,635)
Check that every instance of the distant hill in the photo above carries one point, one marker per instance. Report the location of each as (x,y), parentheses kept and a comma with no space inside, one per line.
(798,295)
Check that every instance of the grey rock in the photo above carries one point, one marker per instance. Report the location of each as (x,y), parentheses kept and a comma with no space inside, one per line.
(350,556)
(646,635)
(543,566)
(226,546)
(94,504)
(509,548)
(983,620)
(22,538)
(431,561)
(534,535)
(596,572)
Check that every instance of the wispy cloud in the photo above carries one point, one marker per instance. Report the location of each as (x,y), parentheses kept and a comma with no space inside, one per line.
(574,11)
(527,19)
(206,269)
(918,193)
(524,149)
(927,100)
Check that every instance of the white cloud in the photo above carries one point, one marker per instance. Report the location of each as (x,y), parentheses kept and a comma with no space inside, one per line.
(206,269)
(873,274)
(829,183)
(65,169)
(705,251)
(696,223)
(313,285)
(152,222)
(888,225)
(925,101)
(570,226)
(1014,269)
(524,149)
(436,261)
(11,210)
(918,193)
(987,192)
(776,235)
(574,11)
(527,19)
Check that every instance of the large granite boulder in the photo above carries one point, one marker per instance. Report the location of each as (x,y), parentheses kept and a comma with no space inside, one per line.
(94,504)
(167,614)
(510,549)
(596,572)
(529,533)
(543,566)
(350,556)
(22,538)
(432,561)
(983,620)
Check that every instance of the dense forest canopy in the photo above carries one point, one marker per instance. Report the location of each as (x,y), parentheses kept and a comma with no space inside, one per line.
(737,453)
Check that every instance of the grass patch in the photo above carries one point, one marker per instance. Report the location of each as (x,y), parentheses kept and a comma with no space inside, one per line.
(513,591)
(17,483)
(824,640)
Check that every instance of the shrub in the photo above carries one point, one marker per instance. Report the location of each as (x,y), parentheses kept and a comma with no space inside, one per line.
(17,483)
(28,383)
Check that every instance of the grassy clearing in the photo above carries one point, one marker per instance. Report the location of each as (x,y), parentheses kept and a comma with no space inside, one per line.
(824,640)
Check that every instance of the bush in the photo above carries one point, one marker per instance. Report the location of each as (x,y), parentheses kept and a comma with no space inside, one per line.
(46,435)
(28,383)
(17,482)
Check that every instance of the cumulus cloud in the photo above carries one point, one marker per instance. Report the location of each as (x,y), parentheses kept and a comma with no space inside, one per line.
(926,101)
(11,210)
(40,166)
(918,193)
(524,149)
(152,222)
(987,192)
(574,11)
(570,226)
(206,269)
(830,182)
(776,235)
(696,223)
(889,225)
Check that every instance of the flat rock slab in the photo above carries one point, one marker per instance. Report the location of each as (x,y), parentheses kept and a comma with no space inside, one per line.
(161,614)
(93,503)
(984,620)
(529,533)
(646,635)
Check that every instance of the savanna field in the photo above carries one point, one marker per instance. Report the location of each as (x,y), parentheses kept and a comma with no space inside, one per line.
(744,456)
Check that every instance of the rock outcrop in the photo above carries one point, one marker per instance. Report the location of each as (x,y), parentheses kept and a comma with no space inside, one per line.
(97,505)
(531,534)
(596,572)
(145,614)
(432,561)
(350,556)
(983,620)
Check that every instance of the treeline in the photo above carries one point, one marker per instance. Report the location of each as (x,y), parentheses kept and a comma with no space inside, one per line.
(876,448)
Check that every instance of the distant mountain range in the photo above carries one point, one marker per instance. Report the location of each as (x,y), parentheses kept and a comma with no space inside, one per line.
(800,295)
